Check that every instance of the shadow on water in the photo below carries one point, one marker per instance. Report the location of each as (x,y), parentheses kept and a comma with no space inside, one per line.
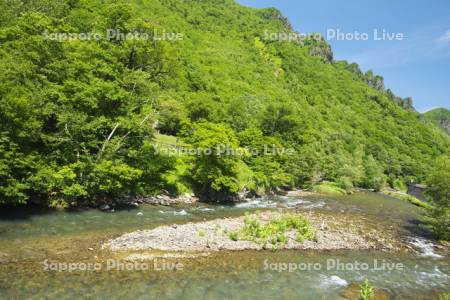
(23,212)
(26,212)
(417,227)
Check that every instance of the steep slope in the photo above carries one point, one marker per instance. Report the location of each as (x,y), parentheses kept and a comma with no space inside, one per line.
(440,117)
(78,116)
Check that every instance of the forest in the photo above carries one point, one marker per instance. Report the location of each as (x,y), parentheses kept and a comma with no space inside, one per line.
(87,121)
(202,149)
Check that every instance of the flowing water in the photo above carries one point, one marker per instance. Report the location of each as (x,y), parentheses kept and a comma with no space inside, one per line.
(30,241)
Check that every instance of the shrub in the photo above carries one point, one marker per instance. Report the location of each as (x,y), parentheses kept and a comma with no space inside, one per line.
(367,291)
(438,221)
(438,192)
(274,231)
(345,183)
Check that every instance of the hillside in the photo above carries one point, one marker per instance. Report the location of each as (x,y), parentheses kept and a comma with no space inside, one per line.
(439,117)
(78,117)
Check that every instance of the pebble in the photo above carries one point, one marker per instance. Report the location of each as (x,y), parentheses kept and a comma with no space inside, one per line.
(184,237)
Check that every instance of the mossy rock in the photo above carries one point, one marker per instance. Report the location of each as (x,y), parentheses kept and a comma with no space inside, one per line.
(353,290)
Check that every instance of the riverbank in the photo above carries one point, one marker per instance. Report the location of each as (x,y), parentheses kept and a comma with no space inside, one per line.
(167,199)
(406,197)
(333,232)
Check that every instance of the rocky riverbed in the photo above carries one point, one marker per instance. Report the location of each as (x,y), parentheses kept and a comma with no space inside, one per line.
(333,232)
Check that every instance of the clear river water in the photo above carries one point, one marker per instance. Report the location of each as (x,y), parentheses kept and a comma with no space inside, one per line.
(31,240)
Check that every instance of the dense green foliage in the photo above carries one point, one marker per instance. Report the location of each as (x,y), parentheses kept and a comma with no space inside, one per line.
(274,231)
(78,117)
(377,82)
(438,192)
(439,117)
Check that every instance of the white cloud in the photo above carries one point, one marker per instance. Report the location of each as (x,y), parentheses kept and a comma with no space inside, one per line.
(445,38)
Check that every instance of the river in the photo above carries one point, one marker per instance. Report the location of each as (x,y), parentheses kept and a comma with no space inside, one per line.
(32,240)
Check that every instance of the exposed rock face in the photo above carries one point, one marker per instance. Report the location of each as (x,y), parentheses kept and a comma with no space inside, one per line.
(445,124)
(440,117)
(275,14)
(323,50)
(318,46)
(374,81)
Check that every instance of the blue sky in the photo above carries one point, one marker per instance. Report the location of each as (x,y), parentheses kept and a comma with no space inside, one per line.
(417,66)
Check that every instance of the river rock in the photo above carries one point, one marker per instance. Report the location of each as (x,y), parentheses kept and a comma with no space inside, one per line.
(168,200)
(214,237)
(105,207)
(3,258)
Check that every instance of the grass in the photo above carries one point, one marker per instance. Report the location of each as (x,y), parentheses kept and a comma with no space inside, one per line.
(274,231)
(328,188)
(170,144)
(405,197)
(168,140)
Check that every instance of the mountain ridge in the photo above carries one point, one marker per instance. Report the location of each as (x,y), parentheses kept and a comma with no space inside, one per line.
(438,116)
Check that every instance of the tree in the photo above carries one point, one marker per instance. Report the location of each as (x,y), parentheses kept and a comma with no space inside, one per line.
(217,160)
(15,168)
(171,115)
(374,177)
(71,109)
(438,192)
